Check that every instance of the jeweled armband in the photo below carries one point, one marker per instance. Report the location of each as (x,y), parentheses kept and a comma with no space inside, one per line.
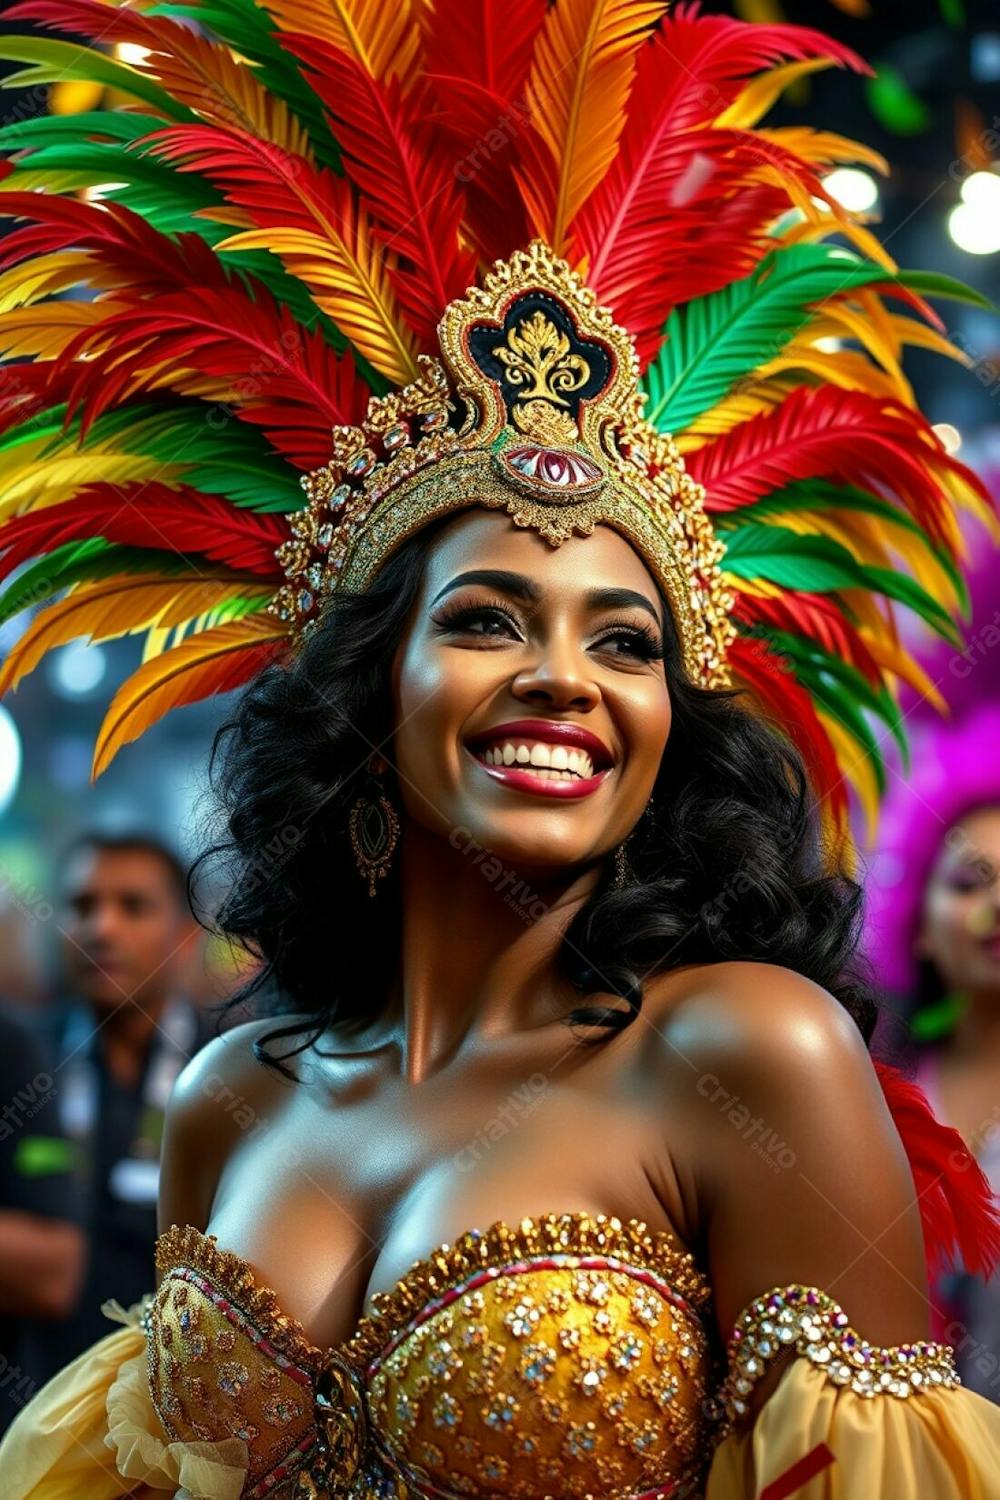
(810,1321)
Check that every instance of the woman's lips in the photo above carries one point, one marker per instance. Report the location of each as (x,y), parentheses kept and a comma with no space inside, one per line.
(525,781)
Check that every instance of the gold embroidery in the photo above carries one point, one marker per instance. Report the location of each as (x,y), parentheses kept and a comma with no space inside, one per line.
(538,358)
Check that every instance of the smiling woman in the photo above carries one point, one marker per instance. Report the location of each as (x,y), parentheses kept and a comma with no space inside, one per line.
(554,680)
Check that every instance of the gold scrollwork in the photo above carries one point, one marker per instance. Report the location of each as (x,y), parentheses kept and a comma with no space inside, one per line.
(538,357)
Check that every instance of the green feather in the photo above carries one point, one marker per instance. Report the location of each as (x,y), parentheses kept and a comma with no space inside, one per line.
(716,341)
(242,467)
(825,495)
(50,130)
(811,658)
(820,564)
(829,693)
(57,61)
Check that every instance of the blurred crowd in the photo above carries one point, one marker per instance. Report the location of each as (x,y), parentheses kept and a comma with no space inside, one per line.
(84,1082)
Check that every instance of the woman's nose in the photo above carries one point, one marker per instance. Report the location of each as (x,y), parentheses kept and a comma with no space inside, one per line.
(561,674)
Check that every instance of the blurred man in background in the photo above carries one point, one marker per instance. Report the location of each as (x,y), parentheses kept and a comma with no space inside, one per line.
(41,1247)
(120,1039)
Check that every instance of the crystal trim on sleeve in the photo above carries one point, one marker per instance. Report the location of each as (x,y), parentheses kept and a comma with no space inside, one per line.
(810,1321)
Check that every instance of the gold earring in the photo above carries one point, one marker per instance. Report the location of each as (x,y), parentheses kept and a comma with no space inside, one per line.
(374,830)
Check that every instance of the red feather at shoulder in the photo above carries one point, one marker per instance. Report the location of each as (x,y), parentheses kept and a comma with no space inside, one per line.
(958,1208)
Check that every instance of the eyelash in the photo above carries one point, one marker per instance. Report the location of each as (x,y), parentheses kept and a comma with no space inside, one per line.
(646,645)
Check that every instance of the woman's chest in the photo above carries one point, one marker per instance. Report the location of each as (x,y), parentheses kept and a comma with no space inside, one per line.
(334,1205)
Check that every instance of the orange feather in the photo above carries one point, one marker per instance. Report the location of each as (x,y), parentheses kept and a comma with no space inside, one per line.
(578,87)
(216,661)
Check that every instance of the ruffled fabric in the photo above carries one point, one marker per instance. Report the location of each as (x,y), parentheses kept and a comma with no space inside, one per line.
(92,1433)
(942,1444)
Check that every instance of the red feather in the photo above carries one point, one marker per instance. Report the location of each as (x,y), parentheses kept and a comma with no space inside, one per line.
(285,378)
(957,1206)
(787,703)
(147,262)
(146,513)
(846,436)
(474,95)
(646,211)
(410,188)
(814,617)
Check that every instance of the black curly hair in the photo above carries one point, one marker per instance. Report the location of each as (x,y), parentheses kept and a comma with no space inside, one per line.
(728,860)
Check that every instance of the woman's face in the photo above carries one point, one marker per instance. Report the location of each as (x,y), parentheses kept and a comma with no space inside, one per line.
(960,932)
(537,643)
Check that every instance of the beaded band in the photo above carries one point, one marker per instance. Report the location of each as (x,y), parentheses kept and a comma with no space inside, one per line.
(810,1321)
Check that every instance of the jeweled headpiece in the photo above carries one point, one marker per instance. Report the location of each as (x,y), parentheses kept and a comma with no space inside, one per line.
(534,409)
(536,257)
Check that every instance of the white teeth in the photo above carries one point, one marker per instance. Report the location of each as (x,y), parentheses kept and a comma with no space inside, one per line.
(559,761)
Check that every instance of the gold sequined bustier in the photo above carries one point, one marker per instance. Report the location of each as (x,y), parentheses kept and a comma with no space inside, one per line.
(570,1356)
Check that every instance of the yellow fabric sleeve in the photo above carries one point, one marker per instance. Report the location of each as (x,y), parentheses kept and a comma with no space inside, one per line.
(92,1433)
(940,1444)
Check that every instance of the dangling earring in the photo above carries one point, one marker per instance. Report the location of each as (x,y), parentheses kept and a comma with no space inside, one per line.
(374,829)
(624,873)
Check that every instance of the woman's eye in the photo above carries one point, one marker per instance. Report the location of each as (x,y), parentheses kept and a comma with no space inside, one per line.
(464,619)
(638,642)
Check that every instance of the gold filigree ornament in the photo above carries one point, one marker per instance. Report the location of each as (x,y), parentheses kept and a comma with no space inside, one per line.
(342,1433)
(534,408)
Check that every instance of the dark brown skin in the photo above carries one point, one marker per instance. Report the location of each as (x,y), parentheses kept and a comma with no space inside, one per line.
(126,938)
(960,933)
(468,1100)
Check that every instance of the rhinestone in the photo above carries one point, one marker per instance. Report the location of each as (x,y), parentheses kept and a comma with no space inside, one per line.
(446,1411)
(580,1440)
(324,535)
(501,1411)
(304,601)
(340,495)
(394,438)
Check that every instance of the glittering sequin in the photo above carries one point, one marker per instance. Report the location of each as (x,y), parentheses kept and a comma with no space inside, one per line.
(567,1356)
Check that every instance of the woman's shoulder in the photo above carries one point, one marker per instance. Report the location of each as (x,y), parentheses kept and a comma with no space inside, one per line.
(753,1016)
(218,1096)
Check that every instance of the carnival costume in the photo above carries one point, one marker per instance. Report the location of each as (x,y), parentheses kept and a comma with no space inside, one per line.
(537,259)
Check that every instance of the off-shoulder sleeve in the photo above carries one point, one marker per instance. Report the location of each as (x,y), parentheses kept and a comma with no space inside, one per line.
(93,1431)
(847,1419)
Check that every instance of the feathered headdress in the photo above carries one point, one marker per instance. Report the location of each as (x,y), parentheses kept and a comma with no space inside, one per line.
(208,284)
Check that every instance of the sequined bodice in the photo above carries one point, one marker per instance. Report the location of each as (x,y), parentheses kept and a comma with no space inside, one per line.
(567,1356)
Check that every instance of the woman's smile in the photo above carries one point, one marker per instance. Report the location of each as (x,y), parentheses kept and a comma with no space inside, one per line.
(544,780)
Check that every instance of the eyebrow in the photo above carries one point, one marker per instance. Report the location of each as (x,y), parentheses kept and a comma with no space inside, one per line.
(519,586)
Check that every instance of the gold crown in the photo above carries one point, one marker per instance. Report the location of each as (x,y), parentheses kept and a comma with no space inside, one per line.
(535,409)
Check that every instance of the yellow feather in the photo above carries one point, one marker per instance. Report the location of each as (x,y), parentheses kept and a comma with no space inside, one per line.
(756,396)
(761,93)
(350,282)
(168,680)
(32,483)
(847,369)
(116,606)
(44,275)
(817,222)
(902,664)
(224,88)
(383,37)
(578,87)
(43,332)
(822,147)
(855,767)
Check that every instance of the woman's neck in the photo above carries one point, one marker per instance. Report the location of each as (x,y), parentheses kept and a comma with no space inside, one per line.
(478,949)
(977,1034)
